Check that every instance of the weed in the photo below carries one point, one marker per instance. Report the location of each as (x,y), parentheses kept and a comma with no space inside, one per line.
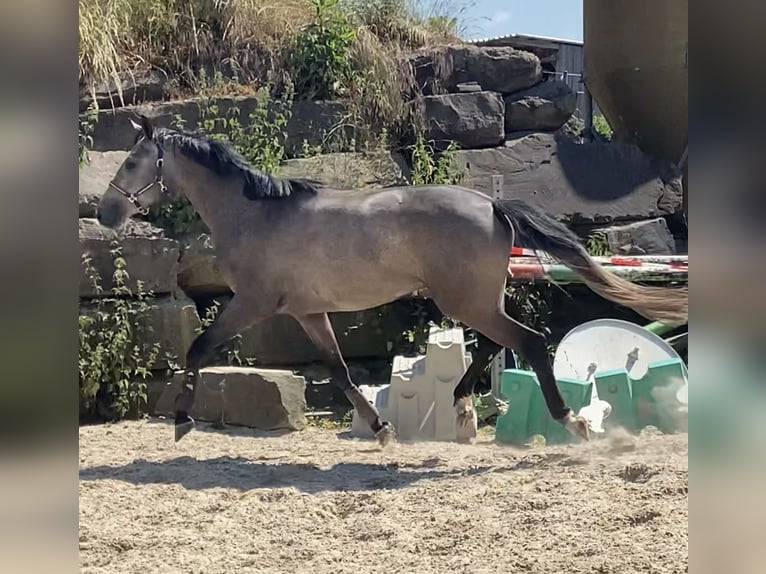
(428,168)
(597,244)
(114,357)
(321,52)
(602,127)
(87,122)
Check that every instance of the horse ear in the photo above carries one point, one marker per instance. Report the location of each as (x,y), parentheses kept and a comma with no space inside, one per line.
(146,125)
(136,126)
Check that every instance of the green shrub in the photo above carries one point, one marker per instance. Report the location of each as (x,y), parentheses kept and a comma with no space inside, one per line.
(321,53)
(430,168)
(114,357)
(87,122)
(602,127)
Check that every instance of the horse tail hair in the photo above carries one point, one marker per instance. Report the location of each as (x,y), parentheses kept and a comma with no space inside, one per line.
(537,230)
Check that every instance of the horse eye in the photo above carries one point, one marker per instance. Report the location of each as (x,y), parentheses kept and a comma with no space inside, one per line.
(130,164)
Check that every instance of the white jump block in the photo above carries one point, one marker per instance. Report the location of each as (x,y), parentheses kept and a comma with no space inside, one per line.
(419,398)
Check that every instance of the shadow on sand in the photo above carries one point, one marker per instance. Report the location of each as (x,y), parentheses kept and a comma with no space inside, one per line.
(244,474)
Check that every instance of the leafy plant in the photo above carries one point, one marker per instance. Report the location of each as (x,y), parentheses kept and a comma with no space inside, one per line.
(321,53)
(87,122)
(430,168)
(530,303)
(597,244)
(114,357)
(602,127)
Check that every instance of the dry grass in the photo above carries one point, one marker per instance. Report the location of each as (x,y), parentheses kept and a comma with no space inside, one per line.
(176,35)
(251,36)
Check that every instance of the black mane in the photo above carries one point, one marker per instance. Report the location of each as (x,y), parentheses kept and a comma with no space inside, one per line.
(224,160)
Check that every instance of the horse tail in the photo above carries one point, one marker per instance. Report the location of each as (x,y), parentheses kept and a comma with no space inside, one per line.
(537,230)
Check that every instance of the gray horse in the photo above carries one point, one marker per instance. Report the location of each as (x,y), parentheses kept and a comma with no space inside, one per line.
(294,247)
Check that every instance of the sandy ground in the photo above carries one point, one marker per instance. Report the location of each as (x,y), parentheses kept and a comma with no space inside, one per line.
(318,502)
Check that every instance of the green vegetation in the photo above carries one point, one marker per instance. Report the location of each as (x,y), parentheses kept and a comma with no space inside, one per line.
(114,358)
(597,244)
(86,123)
(430,168)
(321,53)
(602,127)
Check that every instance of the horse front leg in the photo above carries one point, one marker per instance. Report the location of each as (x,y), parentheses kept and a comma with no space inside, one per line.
(237,316)
(319,330)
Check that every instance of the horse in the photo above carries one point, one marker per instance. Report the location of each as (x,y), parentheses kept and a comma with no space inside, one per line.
(296,247)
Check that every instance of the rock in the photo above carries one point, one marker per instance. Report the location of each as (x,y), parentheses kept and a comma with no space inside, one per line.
(198,272)
(579,183)
(95,176)
(496,69)
(311,123)
(319,395)
(468,87)
(264,399)
(348,169)
(545,106)
(473,120)
(149,257)
(650,237)
(172,322)
(175,324)
(114,132)
(281,341)
(139,86)
(316,124)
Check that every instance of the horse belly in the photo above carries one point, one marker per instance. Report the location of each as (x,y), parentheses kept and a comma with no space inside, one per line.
(350,289)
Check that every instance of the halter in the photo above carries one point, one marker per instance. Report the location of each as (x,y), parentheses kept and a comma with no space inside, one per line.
(133,197)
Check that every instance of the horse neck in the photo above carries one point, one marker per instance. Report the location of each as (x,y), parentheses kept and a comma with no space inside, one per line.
(216,199)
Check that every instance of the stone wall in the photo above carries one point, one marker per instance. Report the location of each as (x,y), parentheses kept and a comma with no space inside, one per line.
(492,101)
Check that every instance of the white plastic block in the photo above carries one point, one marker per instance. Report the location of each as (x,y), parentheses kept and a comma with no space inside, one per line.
(419,398)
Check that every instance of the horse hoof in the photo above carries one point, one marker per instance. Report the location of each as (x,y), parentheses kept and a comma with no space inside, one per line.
(577,426)
(466,421)
(386,434)
(183,428)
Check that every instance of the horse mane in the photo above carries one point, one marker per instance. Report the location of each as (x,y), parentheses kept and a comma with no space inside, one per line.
(224,160)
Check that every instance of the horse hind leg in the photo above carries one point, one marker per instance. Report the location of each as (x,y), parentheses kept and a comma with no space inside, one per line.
(466,418)
(493,322)
(320,331)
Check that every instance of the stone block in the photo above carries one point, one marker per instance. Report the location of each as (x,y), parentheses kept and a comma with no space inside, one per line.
(149,257)
(472,120)
(264,399)
(546,106)
(578,183)
(651,237)
(95,176)
(137,86)
(310,123)
(281,341)
(199,274)
(497,69)
(348,170)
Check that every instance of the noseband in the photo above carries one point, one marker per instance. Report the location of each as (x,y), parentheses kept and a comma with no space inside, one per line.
(133,197)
